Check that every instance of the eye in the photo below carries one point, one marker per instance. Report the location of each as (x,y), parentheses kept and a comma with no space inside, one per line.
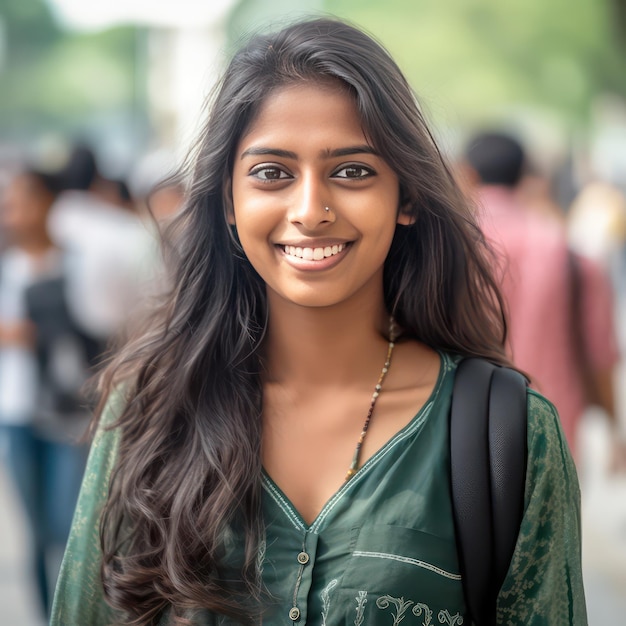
(354,172)
(268,173)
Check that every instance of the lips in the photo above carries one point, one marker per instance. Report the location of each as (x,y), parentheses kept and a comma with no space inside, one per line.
(313,254)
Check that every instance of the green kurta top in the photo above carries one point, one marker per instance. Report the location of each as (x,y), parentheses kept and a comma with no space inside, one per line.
(382,550)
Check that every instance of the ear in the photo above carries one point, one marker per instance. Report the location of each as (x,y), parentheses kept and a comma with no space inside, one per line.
(405,215)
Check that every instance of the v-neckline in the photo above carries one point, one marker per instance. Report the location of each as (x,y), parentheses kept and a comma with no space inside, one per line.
(291,511)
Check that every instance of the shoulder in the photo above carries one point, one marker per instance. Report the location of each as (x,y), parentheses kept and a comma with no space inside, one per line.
(551,476)
(79,597)
(107,434)
(545,435)
(544,582)
(415,362)
(103,454)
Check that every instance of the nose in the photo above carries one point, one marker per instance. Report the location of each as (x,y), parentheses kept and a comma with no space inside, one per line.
(308,205)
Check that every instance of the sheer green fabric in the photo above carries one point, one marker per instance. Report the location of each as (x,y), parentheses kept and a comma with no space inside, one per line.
(78,599)
(544,583)
(382,550)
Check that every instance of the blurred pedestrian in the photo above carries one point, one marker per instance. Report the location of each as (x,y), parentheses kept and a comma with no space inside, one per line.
(560,306)
(111,252)
(596,223)
(43,365)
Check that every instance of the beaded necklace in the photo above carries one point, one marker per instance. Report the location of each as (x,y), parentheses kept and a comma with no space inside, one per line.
(354,466)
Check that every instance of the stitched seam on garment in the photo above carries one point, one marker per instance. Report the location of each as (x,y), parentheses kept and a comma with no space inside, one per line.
(371,461)
(409,561)
(269,487)
(447,365)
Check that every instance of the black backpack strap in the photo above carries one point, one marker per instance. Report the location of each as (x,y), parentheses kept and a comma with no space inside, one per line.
(488,450)
(508,445)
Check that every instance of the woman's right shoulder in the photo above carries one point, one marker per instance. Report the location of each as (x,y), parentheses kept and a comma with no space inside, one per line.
(106,433)
(101,462)
(115,403)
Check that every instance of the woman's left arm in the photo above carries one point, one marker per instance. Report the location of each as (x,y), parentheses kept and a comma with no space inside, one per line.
(544,583)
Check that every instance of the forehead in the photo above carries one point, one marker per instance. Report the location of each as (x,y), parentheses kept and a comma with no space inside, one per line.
(325,104)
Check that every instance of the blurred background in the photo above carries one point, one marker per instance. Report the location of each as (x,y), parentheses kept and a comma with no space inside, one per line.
(127,81)
(130,76)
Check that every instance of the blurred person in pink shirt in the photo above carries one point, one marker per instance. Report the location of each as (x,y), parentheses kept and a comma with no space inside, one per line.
(560,305)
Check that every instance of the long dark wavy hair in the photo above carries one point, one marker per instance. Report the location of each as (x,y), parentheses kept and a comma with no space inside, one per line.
(189,465)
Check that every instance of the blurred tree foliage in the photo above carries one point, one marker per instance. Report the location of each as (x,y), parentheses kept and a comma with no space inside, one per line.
(619,11)
(471,60)
(60,81)
(252,16)
(485,58)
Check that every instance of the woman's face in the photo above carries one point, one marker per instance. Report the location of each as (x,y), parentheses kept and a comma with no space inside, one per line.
(24,208)
(306,151)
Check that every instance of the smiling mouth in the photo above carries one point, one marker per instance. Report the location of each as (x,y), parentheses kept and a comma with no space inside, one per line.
(314,254)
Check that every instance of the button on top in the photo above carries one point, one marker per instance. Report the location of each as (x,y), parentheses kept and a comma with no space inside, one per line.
(303,558)
(294,613)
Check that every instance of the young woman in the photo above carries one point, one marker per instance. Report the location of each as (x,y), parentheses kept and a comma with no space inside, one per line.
(275,446)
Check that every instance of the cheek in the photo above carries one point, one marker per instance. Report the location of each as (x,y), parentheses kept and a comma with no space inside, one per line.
(254,227)
(235,195)
(254,215)
(246,207)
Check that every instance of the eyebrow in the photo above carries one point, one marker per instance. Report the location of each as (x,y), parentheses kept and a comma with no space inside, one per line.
(339,152)
(326,154)
(261,151)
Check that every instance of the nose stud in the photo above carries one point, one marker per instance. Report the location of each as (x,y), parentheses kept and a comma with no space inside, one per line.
(327,209)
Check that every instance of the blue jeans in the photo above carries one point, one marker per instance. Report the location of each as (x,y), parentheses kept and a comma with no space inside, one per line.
(47,476)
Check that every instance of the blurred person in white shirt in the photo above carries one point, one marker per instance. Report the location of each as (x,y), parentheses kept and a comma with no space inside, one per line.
(112,253)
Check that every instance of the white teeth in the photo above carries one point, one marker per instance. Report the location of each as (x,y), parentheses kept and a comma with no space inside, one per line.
(314,254)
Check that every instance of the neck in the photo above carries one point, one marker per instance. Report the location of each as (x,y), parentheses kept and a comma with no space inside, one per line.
(319,346)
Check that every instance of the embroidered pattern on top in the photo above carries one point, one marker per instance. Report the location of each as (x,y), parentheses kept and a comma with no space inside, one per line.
(325,596)
(401,605)
(409,561)
(424,609)
(451,620)
(260,557)
(361,601)
(419,609)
